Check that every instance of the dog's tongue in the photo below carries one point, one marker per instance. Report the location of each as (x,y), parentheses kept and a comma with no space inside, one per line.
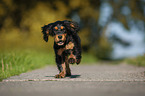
(60,43)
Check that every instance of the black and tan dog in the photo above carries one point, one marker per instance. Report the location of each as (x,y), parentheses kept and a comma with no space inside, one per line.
(67,44)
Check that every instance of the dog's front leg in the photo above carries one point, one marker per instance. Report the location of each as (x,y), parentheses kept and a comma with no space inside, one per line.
(61,66)
(68,71)
(62,73)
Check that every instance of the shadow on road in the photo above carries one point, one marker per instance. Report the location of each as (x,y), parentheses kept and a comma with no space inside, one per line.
(72,76)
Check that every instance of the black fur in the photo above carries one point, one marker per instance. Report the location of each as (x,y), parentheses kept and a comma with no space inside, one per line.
(70,46)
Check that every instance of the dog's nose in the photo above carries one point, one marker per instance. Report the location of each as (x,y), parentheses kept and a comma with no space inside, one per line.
(60,37)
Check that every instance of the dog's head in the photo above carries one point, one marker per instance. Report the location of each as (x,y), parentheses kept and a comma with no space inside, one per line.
(59,30)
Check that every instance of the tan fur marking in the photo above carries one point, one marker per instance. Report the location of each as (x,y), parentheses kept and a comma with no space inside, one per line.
(61,27)
(70,45)
(56,28)
(60,51)
(47,32)
(72,25)
(56,38)
(63,37)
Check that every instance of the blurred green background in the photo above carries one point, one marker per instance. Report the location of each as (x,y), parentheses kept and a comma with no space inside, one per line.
(110,30)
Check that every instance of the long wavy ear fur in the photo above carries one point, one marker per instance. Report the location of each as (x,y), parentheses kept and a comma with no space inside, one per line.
(47,30)
(72,26)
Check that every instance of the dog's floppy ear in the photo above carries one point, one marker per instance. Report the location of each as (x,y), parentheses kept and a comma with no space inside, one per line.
(47,30)
(72,26)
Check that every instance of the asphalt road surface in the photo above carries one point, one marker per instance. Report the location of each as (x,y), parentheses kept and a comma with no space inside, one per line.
(86,80)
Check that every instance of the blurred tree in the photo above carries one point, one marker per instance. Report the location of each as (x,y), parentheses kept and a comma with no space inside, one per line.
(27,16)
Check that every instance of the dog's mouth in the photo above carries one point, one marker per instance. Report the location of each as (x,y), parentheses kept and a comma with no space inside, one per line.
(60,42)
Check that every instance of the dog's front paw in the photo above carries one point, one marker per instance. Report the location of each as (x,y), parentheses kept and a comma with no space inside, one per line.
(71,60)
(78,61)
(60,75)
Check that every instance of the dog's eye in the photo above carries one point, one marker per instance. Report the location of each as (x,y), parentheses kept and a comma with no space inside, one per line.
(56,28)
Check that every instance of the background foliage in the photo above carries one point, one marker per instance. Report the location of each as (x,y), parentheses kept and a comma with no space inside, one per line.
(22,47)
(21,21)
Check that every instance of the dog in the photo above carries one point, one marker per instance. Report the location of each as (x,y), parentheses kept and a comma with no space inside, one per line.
(67,44)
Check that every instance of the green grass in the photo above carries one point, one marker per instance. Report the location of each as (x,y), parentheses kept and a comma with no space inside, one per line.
(87,59)
(14,63)
(138,61)
(17,62)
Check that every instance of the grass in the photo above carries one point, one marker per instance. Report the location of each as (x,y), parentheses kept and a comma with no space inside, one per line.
(17,62)
(87,59)
(138,61)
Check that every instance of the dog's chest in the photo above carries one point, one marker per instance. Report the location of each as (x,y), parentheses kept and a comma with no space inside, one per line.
(69,46)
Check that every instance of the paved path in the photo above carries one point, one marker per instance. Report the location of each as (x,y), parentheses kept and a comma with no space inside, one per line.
(86,80)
